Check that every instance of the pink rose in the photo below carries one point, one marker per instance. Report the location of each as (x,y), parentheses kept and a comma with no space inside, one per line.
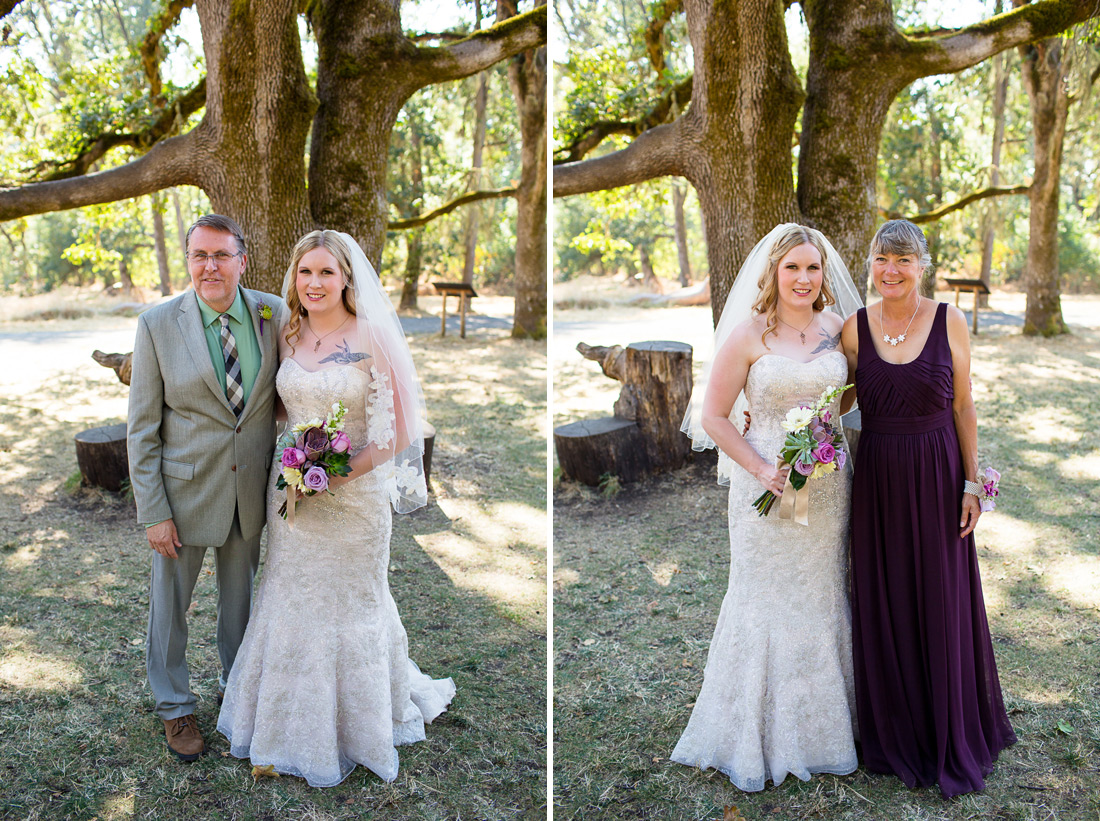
(824,453)
(293,458)
(316,479)
(341,443)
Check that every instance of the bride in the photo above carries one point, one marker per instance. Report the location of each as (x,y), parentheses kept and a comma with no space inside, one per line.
(777,693)
(322,680)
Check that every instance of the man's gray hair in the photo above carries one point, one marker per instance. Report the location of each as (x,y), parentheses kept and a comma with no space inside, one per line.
(219,223)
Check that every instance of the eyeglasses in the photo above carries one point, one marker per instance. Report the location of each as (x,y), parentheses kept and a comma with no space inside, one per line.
(198,258)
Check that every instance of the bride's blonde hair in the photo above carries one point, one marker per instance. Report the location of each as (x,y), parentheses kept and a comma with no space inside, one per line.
(767,302)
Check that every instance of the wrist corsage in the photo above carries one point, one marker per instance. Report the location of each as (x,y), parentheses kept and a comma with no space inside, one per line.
(985,489)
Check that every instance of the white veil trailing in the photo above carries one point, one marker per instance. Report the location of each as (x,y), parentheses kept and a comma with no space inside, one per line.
(738,309)
(394,404)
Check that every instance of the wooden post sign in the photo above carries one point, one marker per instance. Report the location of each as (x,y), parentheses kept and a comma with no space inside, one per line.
(464,292)
(643,437)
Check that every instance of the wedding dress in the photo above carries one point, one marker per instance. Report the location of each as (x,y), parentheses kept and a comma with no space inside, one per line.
(323,681)
(777,694)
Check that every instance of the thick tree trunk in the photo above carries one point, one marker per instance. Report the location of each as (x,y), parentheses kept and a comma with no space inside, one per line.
(989,222)
(366,70)
(527,77)
(252,141)
(679,195)
(1044,72)
(161,249)
(745,101)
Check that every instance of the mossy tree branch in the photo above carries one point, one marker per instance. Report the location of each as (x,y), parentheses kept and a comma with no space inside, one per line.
(950,51)
(465,199)
(480,50)
(673,100)
(947,208)
(150,46)
(655,29)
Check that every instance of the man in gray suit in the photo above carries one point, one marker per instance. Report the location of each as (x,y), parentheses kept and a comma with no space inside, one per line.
(201,432)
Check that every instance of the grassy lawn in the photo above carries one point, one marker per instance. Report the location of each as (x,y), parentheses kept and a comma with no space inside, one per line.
(639,579)
(78,739)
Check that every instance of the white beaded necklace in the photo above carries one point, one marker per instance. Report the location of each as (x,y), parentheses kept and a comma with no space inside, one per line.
(894,341)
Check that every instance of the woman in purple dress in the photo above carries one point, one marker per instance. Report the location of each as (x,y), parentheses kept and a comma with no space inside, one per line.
(928,700)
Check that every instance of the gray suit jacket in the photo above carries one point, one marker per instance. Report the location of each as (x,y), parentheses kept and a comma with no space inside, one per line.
(191,459)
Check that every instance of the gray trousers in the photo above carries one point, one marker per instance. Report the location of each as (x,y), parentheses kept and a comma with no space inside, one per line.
(171,585)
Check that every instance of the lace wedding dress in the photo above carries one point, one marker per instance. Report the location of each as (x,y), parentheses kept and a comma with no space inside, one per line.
(323,680)
(777,693)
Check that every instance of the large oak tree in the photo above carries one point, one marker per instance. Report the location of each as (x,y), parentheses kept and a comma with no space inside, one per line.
(734,141)
(249,151)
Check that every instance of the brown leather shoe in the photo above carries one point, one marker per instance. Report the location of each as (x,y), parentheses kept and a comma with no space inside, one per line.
(184,738)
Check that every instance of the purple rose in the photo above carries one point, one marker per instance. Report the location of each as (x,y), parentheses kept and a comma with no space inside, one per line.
(824,453)
(803,468)
(314,442)
(341,443)
(316,479)
(293,458)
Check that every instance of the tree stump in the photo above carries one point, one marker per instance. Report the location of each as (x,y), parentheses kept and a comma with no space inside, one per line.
(120,362)
(101,456)
(643,437)
(588,451)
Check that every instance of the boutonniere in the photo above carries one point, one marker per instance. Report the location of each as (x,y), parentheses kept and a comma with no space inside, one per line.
(264,310)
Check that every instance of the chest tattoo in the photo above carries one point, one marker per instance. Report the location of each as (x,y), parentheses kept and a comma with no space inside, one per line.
(828,343)
(346,356)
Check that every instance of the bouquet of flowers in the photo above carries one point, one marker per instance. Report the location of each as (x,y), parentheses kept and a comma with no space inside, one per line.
(988,479)
(311,452)
(812,448)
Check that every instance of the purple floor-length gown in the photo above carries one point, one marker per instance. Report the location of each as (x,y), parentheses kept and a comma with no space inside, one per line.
(927,696)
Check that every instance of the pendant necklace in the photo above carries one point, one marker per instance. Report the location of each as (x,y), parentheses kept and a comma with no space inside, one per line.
(802,333)
(895,340)
(330,333)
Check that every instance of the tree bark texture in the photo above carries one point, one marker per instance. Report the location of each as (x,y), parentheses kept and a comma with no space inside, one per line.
(101,456)
(527,78)
(1044,66)
(734,141)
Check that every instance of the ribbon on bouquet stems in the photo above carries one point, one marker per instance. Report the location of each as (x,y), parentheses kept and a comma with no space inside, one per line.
(291,498)
(794,504)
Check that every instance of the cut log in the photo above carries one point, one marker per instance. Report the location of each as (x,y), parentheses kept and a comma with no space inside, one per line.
(120,362)
(101,456)
(655,395)
(644,436)
(588,451)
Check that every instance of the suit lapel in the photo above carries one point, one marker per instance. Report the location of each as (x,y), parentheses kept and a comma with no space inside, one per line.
(194,340)
(269,349)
